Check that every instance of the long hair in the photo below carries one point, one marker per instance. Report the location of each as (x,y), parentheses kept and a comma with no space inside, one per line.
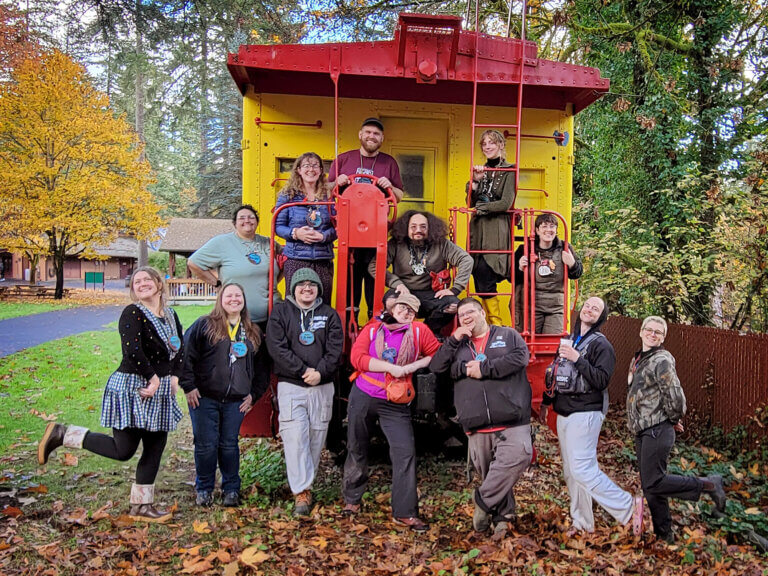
(217,327)
(295,186)
(437,230)
(158,279)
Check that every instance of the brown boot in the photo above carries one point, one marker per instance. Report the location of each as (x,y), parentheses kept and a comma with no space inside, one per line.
(142,505)
(56,435)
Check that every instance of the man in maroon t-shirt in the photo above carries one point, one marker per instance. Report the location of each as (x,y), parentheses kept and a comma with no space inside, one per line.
(368,159)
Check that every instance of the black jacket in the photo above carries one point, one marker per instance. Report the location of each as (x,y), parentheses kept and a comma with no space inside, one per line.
(503,396)
(596,366)
(144,351)
(292,358)
(207,367)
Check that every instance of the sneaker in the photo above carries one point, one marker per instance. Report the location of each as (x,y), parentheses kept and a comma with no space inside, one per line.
(303,503)
(481,520)
(231,499)
(413,522)
(718,492)
(637,516)
(204,499)
(351,509)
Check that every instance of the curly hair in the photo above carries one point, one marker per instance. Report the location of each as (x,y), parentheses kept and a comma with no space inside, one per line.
(295,185)
(437,229)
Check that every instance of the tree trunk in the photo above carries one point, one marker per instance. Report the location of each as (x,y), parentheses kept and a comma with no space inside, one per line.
(139,99)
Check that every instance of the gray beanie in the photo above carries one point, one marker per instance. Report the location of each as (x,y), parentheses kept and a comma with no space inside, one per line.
(304,275)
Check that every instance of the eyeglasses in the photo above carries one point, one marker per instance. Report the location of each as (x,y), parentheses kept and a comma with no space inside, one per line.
(314,165)
(404,308)
(659,333)
(246,218)
(307,284)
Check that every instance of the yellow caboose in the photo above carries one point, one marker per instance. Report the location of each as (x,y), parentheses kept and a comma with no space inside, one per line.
(435,87)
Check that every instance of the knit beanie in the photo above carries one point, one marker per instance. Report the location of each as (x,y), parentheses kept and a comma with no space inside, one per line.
(304,275)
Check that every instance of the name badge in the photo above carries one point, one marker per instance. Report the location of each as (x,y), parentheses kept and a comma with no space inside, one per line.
(239,349)
(175,343)
(306,338)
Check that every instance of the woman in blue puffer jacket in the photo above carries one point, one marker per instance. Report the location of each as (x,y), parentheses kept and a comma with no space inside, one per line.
(308,228)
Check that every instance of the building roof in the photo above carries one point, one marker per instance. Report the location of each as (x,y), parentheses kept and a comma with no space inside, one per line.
(189,234)
(430,60)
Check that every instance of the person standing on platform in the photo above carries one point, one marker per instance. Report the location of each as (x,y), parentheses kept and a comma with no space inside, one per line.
(492,194)
(366,160)
(243,257)
(307,228)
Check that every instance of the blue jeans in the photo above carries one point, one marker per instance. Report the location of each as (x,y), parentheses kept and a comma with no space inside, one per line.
(216,426)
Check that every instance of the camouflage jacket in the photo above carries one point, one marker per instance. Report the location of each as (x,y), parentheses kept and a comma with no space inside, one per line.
(655,394)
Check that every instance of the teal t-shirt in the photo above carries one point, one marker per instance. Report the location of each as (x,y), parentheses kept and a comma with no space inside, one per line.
(228,254)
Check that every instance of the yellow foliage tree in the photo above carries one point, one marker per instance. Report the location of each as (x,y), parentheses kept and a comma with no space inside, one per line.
(73,176)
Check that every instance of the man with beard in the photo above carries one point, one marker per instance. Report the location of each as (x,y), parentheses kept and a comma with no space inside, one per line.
(493,404)
(417,251)
(581,402)
(367,160)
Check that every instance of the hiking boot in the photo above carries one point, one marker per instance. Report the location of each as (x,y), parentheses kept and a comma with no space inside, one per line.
(231,499)
(148,513)
(204,499)
(501,528)
(53,437)
(717,492)
(637,516)
(481,520)
(351,509)
(413,522)
(303,503)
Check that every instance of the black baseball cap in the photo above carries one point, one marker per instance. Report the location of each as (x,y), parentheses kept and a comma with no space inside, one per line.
(373,122)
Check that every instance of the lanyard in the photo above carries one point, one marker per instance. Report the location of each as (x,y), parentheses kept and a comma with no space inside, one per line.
(311,327)
(475,353)
(233,330)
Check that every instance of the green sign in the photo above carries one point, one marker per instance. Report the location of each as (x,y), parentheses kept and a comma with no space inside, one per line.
(94,277)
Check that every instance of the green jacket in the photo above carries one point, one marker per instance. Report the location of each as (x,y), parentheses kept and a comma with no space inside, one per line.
(655,394)
(490,227)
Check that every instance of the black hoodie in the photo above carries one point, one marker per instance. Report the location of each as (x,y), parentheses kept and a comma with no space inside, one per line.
(596,367)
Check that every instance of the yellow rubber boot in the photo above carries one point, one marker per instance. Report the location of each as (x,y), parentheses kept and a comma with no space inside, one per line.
(492,307)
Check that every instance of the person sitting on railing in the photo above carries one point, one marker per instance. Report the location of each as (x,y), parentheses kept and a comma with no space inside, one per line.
(492,194)
(551,258)
(418,251)
(308,229)
(242,257)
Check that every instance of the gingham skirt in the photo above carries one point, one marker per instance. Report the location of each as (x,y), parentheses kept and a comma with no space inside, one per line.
(122,407)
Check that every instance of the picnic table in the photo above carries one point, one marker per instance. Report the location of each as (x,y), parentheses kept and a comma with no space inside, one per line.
(28,291)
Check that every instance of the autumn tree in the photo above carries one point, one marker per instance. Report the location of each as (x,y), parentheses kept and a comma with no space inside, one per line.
(73,173)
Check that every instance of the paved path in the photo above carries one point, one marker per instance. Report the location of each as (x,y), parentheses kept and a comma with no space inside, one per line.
(25,331)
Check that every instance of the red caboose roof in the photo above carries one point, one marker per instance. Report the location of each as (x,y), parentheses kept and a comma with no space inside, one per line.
(430,60)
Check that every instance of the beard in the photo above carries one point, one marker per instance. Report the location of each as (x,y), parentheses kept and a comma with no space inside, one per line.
(370,147)
(418,241)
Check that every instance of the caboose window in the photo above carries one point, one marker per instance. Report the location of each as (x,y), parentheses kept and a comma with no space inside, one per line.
(412,172)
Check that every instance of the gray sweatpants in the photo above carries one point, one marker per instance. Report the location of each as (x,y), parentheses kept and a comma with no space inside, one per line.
(500,458)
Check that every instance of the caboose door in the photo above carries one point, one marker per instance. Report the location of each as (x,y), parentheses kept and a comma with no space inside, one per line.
(420,146)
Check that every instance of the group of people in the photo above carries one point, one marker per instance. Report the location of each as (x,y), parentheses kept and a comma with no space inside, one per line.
(223,361)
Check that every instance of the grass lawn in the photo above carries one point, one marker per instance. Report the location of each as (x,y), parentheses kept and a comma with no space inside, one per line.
(15,309)
(69,518)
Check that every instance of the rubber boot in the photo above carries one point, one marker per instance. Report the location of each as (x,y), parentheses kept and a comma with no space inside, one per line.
(56,435)
(492,307)
(142,505)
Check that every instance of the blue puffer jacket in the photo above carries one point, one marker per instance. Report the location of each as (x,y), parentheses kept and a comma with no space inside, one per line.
(296,217)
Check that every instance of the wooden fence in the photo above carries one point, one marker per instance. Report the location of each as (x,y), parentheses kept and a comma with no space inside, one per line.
(181,289)
(724,373)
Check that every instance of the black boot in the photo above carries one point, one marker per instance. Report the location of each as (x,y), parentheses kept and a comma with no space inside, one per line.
(53,437)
